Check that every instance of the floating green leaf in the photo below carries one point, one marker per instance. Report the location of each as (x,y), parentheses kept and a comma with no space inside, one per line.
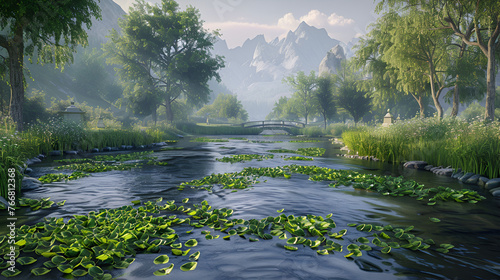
(65,268)
(25,260)
(40,271)
(194,256)
(189,266)
(291,248)
(386,250)
(161,259)
(435,220)
(79,273)
(9,273)
(164,271)
(95,271)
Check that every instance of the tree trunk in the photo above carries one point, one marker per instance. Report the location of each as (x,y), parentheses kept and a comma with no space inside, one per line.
(434,94)
(324,118)
(420,102)
(454,110)
(16,75)
(490,83)
(169,112)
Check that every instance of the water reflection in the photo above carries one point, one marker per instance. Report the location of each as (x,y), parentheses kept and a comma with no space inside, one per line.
(473,229)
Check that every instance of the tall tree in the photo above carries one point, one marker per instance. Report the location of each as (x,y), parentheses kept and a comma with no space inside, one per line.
(284,109)
(304,87)
(167,51)
(45,30)
(476,23)
(384,83)
(324,98)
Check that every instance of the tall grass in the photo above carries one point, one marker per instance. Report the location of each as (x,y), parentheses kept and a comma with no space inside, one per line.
(473,146)
(43,137)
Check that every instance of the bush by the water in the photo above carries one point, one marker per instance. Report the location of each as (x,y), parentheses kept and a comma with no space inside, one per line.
(472,146)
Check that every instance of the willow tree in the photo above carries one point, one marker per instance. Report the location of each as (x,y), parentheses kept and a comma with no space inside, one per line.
(384,83)
(164,53)
(476,23)
(47,31)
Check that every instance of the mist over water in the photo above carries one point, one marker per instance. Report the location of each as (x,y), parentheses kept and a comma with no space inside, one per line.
(472,229)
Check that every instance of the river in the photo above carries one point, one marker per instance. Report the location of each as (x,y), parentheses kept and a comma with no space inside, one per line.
(474,229)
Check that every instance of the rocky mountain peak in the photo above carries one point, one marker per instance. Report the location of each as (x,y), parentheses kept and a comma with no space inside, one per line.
(331,63)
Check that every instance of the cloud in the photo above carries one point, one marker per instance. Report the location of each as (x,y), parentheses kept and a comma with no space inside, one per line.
(236,33)
(314,18)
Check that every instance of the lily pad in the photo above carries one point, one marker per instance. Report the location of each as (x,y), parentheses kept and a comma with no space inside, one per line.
(40,271)
(161,259)
(164,271)
(189,266)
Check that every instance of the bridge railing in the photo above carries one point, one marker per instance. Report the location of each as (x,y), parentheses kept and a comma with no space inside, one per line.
(273,123)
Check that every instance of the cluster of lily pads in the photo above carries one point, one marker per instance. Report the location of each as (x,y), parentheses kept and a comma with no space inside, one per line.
(298,158)
(111,238)
(245,157)
(35,204)
(50,178)
(100,163)
(265,142)
(386,185)
(308,152)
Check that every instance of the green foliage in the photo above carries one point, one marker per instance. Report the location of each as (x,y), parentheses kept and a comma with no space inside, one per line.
(284,109)
(337,129)
(471,146)
(243,158)
(49,178)
(324,98)
(46,31)
(312,131)
(304,87)
(354,100)
(225,106)
(168,64)
(472,112)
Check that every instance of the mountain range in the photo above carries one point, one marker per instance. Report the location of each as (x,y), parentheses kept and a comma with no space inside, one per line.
(255,70)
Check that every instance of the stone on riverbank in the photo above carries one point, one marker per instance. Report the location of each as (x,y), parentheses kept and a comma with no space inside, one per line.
(444,171)
(71,152)
(30,183)
(496,193)
(415,164)
(466,176)
(482,181)
(428,167)
(55,153)
(493,183)
(473,180)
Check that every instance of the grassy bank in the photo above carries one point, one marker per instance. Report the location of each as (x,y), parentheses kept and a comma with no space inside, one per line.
(472,146)
(41,138)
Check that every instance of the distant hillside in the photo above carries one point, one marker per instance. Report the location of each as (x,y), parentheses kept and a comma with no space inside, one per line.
(59,84)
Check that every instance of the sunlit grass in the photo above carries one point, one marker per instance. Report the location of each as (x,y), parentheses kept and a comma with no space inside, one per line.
(472,146)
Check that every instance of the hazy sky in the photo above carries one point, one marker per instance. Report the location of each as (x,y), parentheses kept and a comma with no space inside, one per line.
(238,20)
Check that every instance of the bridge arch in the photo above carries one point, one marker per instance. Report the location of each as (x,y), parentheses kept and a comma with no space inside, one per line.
(273,124)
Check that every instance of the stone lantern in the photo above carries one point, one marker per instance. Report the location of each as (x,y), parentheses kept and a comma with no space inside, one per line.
(100,123)
(73,114)
(387,119)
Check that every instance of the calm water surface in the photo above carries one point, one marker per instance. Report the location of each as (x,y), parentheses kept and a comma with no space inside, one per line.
(473,229)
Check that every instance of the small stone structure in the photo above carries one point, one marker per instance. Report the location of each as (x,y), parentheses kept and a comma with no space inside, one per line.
(387,119)
(73,114)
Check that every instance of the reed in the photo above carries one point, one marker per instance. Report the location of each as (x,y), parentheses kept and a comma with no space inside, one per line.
(473,146)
